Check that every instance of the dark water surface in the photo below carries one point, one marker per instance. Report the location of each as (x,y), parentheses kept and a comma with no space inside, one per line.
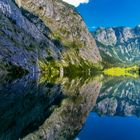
(95,108)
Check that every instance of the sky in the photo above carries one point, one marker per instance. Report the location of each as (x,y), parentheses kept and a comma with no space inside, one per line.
(108,13)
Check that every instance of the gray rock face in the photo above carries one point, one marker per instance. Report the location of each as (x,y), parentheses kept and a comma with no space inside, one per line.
(66,24)
(40,30)
(22,44)
(16,46)
(107,37)
(119,45)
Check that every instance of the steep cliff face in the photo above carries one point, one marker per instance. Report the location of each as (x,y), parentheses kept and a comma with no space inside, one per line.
(46,30)
(66,25)
(21,41)
(120,45)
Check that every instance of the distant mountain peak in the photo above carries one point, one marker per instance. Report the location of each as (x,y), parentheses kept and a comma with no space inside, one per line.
(120,44)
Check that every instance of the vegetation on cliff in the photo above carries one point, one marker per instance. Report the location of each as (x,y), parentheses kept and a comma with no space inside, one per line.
(44,33)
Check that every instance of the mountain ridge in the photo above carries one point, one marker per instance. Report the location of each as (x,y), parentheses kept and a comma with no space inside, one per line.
(120,44)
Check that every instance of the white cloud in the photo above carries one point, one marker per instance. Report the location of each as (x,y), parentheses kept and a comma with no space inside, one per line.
(76,2)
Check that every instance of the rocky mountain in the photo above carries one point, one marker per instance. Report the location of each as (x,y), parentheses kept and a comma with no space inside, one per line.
(119,45)
(34,32)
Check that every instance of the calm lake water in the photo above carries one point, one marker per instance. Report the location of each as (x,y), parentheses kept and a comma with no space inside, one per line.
(95,108)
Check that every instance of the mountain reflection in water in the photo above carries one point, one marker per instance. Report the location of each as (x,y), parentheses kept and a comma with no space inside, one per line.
(37,108)
(116,113)
(57,109)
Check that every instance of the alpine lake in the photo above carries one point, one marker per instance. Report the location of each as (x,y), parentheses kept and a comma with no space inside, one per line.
(103,106)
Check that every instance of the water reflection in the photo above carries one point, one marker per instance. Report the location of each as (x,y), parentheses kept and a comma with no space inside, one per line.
(40,107)
(119,96)
(31,108)
(116,113)
(24,105)
(110,128)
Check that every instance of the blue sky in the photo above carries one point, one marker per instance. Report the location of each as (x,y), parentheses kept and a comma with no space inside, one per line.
(108,13)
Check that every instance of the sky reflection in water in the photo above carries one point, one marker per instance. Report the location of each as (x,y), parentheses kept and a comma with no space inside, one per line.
(110,128)
(117,111)
(60,107)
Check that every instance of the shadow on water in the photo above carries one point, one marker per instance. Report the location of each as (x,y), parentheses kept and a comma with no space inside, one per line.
(31,108)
